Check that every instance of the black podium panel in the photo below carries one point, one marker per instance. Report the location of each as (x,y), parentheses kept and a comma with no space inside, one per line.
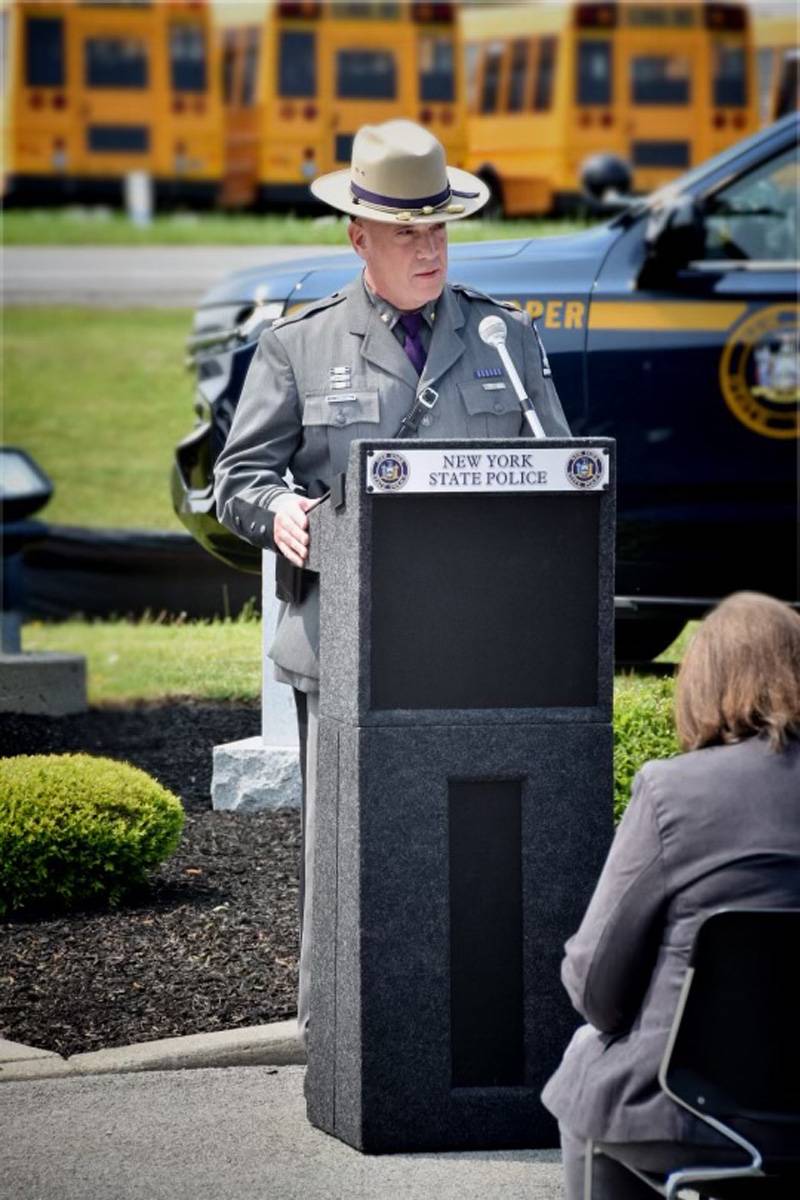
(486,944)
(454,627)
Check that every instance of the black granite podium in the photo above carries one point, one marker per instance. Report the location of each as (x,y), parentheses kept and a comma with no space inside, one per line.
(465,782)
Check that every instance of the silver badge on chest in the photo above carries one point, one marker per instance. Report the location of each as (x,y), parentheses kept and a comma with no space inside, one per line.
(340,378)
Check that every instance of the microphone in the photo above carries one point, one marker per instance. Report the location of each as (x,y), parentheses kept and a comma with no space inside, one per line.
(493,331)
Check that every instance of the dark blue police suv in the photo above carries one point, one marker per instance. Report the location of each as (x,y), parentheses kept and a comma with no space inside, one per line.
(673,328)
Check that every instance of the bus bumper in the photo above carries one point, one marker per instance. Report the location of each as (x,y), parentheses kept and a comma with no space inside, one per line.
(288,195)
(52,190)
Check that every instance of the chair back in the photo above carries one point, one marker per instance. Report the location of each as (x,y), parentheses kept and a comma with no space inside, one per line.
(734,1050)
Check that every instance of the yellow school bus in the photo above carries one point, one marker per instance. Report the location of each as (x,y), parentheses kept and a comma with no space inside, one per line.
(299,85)
(662,86)
(777,40)
(99,90)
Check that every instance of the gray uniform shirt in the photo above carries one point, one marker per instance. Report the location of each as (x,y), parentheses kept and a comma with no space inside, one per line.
(334,372)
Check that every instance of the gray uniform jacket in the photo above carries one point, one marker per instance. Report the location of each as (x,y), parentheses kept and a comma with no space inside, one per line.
(334,372)
(713,828)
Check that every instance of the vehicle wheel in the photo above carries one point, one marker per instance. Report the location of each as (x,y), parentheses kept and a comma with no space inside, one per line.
(642,640)
(493,208)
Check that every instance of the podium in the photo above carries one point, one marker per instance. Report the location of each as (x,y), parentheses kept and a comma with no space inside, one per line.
(464,807)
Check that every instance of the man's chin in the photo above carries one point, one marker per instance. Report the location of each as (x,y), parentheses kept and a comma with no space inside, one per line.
(429,287)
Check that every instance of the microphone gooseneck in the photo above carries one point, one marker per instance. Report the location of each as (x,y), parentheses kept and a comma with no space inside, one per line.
(493,331)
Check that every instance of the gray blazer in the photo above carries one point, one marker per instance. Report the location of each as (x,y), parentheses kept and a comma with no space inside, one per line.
(334,372)
(712,828)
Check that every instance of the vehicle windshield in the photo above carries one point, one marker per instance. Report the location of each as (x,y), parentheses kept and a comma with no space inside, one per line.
(686,181)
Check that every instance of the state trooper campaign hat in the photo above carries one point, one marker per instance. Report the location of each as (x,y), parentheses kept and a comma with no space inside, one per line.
(398,173)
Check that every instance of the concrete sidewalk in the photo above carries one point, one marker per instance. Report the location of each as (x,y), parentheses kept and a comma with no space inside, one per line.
(84,1129)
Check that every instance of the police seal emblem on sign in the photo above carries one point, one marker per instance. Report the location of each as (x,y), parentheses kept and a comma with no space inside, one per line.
(585,469)
(759,371)
(389,471)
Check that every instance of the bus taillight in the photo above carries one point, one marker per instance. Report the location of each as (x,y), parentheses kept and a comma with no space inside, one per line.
(36,100)
(426,116)
(178,104)
(310,112)
(596,16)
(286,112)
(730,17)
(433,14)
(446,116)
(308,167)
(305,10)
(720,120)
(59,101)
(606,119)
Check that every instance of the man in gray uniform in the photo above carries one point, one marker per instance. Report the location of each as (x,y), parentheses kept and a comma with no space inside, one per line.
(397,346)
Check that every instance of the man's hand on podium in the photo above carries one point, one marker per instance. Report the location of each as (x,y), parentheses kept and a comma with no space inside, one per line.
(290,532)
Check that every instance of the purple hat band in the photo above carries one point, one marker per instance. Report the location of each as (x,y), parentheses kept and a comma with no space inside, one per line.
(437,201)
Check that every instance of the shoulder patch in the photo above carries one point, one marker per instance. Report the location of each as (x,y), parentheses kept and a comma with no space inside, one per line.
(308,310)
(474,294)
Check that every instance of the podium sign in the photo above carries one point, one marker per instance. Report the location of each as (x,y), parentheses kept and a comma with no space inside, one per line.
(464,804)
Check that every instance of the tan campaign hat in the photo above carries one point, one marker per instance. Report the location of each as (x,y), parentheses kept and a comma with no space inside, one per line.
(398,172)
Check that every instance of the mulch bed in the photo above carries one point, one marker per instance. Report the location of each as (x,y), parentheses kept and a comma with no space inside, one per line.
(211,944)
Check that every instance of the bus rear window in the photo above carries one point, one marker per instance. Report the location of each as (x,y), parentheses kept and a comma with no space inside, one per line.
(730,76)
(436,69)
(44,52)
(491,76)
(660,80)
(250,68)
(115,63)
(297,68)
(519,70)
(594,72)
(187,58)
(366,75)
(228,65)
(543,91)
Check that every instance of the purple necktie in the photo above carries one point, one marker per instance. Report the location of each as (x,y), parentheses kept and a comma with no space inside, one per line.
(412,327)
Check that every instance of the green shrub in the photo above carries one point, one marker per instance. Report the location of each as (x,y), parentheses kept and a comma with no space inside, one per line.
(643,729)
(76,828)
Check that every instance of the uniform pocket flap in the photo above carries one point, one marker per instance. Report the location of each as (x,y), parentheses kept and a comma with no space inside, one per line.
(488,396)
(341,408)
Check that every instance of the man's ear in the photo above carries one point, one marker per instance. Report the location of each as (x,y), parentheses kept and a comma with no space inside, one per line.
(357,234)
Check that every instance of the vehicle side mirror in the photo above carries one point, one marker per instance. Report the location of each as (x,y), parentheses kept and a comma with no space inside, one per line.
(606,181)
(674,237)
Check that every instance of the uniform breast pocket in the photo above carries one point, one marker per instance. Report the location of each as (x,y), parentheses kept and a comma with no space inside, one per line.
(340,418)
(492,410)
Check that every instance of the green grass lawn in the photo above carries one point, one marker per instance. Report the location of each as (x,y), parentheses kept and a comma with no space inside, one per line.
(150,660)
(99,399)
(105,227)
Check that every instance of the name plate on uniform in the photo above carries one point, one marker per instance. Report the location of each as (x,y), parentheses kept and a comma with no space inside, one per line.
(549,469)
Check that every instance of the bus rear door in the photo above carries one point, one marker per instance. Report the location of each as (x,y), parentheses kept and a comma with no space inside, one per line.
(661,85)
(115,60)
(368,75)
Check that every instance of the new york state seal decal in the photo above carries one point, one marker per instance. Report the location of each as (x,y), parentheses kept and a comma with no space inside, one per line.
(759,371)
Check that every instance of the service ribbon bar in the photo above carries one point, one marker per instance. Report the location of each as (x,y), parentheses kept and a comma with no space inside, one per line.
(393,472)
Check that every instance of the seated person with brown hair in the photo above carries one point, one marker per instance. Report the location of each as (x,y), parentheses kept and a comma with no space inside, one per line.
(717,825)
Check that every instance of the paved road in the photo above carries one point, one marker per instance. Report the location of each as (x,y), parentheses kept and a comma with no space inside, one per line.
(130,276)
(233,1134)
